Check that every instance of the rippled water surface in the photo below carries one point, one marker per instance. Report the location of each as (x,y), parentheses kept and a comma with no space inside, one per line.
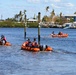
(62,61)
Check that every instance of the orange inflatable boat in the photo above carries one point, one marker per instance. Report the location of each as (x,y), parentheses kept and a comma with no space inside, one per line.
(59,36)
(6,44)
(35,49)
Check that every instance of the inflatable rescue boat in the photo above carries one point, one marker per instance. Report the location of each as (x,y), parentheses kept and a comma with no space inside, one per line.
(59,36)
(35,49)
(6,44)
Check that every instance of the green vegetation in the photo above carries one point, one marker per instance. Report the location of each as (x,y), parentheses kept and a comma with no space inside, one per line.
(10,24)
(17,24)
(34,25)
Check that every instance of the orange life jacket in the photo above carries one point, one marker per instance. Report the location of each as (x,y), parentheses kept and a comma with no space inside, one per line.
(34,43)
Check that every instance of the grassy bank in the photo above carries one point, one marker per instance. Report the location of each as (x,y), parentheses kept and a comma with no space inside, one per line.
(17,24)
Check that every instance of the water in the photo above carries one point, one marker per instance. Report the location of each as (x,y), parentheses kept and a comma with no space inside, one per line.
(14,61)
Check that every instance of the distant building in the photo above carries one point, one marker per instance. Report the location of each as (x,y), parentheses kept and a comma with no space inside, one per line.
(32,20)
(70,16)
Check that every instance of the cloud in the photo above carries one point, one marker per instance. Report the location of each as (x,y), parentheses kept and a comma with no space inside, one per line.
(54,6)
(55,0)
(39,1)
(70,5)
(33,1)
(63,5)
(46,0)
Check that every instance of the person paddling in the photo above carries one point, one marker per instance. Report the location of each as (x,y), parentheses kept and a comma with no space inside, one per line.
(34,43)
(28,42)
(53,33)
(3,39)
(60,33)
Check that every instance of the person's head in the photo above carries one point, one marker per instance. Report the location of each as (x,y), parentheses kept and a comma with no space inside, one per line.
(34,39)
(28,39)
(46,46)
(2,36)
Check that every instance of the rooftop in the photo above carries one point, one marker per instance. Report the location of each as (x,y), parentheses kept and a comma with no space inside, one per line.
(70,15)
(32,20)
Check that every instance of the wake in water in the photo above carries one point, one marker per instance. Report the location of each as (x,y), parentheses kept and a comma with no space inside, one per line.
(63,51)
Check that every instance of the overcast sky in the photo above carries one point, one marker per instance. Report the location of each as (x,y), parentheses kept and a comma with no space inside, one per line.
(8,8)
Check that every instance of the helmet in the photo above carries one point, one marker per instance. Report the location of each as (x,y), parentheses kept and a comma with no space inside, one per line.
(28,39)
(34,39)
(2,36)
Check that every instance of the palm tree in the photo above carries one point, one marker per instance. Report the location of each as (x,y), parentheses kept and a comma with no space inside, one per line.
(52,13)
(47,8)
(60,17)
(24,11)
(24,15)
(16,17)
(60,14)
(20,16)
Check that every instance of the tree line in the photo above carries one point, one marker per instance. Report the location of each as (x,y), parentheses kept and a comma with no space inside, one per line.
(19,19)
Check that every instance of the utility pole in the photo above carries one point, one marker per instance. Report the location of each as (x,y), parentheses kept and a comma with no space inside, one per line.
(25,22)
(39,15)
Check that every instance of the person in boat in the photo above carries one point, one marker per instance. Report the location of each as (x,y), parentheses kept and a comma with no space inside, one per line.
(34,43)
(53,33)
(3,39)
(60,33)
(41,47)
(28,42)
